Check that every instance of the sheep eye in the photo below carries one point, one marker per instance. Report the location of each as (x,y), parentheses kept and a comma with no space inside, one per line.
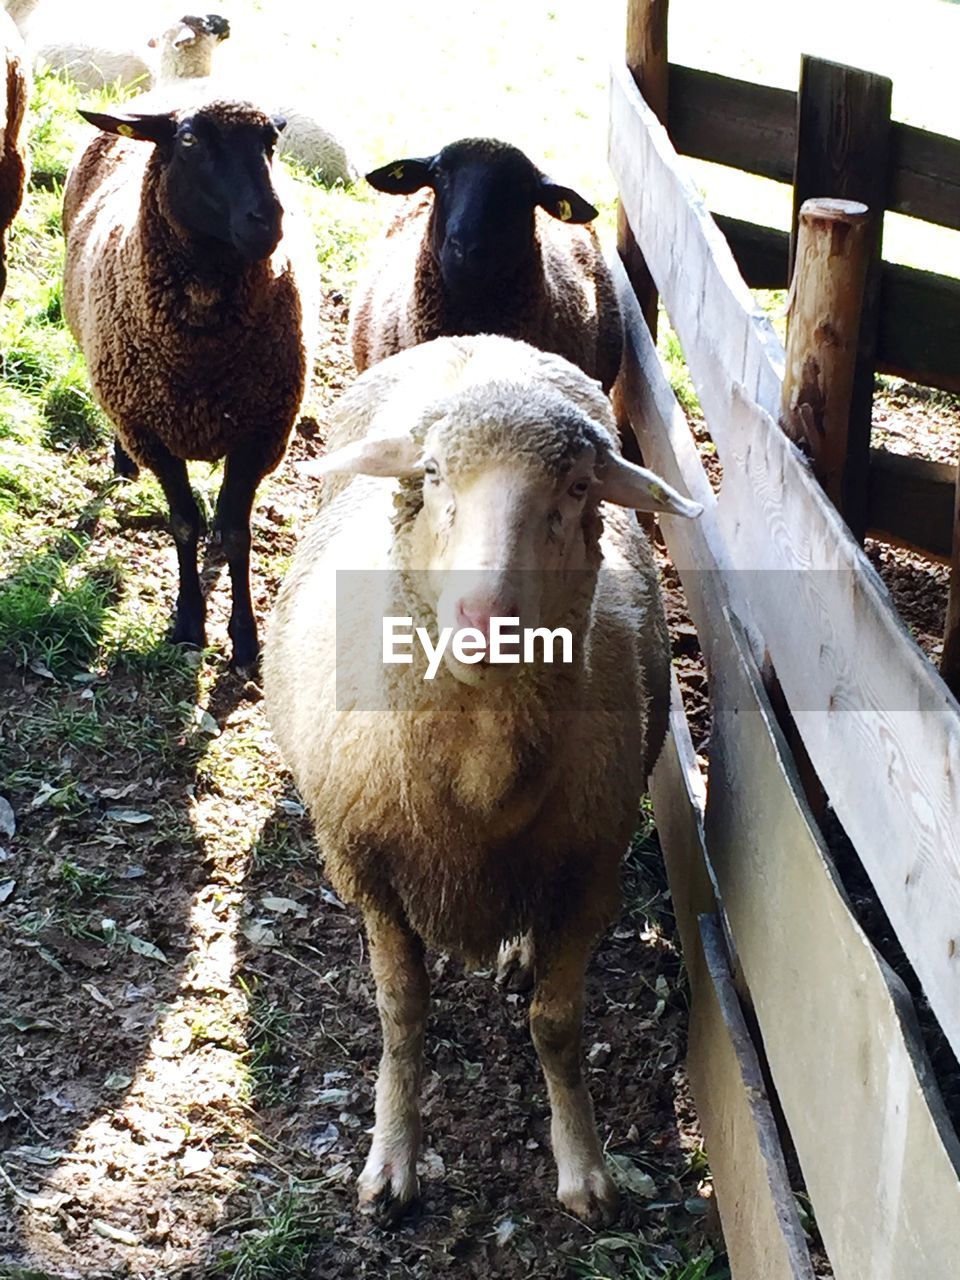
(188,139)
(579,490)
(431,470)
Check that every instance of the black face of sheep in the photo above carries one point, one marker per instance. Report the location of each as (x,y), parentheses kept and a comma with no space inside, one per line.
(485,193)
(218,181)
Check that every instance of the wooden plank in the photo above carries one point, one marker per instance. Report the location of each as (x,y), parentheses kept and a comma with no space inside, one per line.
(794,907)
(843,151)
(919,335)
(747,126)
(925,175)
(646,59)
(753,127)
(678,793)
(760,1223)
(950,659)
(880,726)
(910,503)
(723,332)
(879,1159)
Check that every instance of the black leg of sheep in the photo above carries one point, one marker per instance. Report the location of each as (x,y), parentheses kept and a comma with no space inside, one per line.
(123,465)
(242,475)
(185,525)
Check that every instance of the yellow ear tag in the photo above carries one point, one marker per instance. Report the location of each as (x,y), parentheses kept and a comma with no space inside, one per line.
(565,210)
(126,130)
(397,173)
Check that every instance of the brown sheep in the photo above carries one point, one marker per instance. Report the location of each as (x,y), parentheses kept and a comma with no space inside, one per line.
(183,289)
(13,106)
(496,247)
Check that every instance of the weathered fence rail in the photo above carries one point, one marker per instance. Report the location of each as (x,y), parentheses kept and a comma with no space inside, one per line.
(770,571)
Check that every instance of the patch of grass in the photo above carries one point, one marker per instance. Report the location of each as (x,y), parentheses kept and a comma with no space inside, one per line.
(52,609)
(668,344)
(279,845)
(268,1035)
(619,1256)
(73,419)
(276,1242)
(83,882)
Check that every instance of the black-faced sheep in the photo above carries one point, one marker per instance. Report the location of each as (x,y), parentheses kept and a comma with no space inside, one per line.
(492,800)
(495,247)
(13,105)
(183,288)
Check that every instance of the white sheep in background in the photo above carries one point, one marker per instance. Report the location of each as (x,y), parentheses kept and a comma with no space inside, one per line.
(20,11)
(305,139)
(105,57)
(492,800)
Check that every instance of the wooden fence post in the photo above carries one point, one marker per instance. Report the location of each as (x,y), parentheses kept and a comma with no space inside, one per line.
(823,324)
(647,60)
(843,151)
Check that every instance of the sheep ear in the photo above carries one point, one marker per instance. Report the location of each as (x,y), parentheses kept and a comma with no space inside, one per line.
(279,123)
(629,486)
(372,456)
(156,128)
(402,177)
(564,203)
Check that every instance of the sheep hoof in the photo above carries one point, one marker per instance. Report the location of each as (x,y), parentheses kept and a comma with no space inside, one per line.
(515,964)
(594,1198)
(246,656)
(188,632)
(386,1192)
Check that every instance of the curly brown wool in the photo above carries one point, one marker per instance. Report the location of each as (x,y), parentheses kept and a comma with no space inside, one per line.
(193,351)
(13,105)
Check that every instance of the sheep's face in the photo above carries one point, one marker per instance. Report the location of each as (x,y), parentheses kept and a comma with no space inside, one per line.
(482,228)
(504,521)
(512,540)
(215,166)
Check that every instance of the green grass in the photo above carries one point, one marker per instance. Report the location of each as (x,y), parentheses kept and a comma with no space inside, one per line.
(268,1036)
(618,1256)
(276,1242)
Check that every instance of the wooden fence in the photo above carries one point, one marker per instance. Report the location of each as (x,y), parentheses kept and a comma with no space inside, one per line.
(773,577)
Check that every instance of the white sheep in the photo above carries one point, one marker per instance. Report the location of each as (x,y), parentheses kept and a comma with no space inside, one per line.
(492,800)
(183,51)
(20,11)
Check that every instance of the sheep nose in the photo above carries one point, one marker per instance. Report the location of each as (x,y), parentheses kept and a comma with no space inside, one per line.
(455,246)
(477,613)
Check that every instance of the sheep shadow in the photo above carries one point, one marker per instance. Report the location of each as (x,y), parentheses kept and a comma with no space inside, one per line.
(103,884)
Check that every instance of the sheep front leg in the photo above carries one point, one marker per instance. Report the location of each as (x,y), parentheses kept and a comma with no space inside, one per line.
(188,626)
(389,1179)
(243,472)
(556,1018)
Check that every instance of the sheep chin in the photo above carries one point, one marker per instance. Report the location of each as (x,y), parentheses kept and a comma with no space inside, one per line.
(479,674)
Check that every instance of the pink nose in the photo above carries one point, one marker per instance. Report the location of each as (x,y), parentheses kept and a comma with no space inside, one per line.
(477,613)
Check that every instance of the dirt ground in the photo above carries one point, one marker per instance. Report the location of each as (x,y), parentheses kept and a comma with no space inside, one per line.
(188,1039)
